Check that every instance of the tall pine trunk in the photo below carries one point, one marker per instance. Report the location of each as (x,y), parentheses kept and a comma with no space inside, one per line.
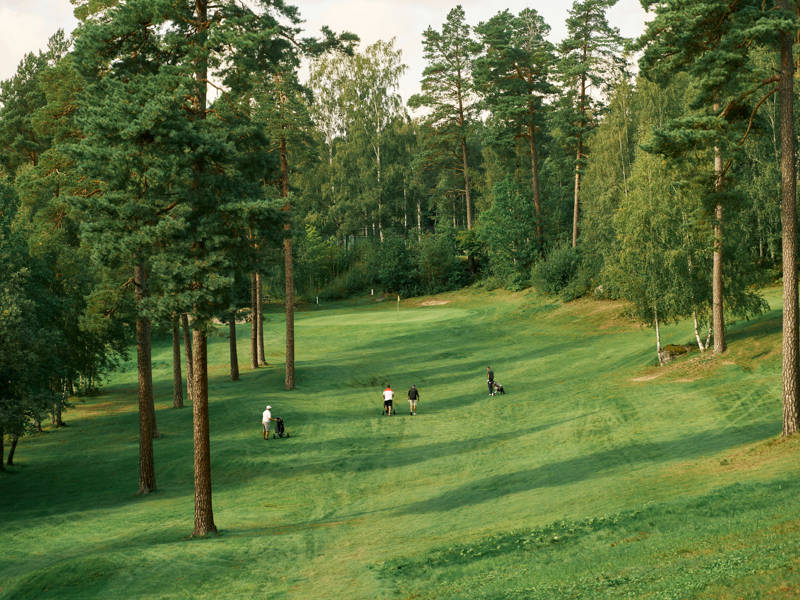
(2,451)
(14,441)
(288,268)
(253,323)
(233,352)
(262,359)
(419,219)
(791,356)
(464,161)
(537,202)
(187,345)
(576,195)
(576,208)
(203,510)
(466,182)
(177,378)
(717,290)
(147,476)
(57,420)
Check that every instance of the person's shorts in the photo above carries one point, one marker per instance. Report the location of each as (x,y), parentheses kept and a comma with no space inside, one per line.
(412,402)
(266,426)
(387,403)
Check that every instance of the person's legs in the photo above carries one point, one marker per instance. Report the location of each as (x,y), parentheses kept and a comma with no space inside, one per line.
(491,387)
(265,426)
(390,408)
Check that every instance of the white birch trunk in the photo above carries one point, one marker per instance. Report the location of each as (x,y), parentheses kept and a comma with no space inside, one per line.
(658,335)
(700,344)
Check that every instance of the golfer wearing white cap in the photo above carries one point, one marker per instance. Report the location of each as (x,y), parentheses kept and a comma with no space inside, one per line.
(266,417)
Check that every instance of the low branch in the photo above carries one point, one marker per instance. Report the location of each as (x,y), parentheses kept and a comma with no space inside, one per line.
(167,208)
(753,114)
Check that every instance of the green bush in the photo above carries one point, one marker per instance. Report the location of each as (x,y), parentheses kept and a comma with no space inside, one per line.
(393,266)
(438,265)
(353,281)
(507,234)
(558,273)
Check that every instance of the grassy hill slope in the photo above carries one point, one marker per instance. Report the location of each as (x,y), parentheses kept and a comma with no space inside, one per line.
(596,475)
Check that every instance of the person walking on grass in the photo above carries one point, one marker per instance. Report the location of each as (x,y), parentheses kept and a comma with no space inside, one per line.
(266,417)
(388,396)
(490,380)
(413,396)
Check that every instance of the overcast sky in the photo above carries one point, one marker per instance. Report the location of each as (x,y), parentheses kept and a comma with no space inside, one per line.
(25,25)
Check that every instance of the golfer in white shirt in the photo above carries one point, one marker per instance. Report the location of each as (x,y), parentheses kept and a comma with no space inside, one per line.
(266,417)
(388,395)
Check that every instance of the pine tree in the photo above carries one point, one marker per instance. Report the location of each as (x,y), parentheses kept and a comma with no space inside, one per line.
(512,75)
(448,94)
(590,62)
(177,378)
(710,40)
(791,310)
(180,182)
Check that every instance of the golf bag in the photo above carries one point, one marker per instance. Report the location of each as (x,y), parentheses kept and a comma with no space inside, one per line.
(498,388)
(279,429)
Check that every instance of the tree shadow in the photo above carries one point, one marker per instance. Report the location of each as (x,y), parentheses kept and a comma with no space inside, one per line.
(590,466)
(367,460)
(770,323)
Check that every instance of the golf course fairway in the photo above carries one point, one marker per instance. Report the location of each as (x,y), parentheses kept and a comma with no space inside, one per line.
(597,474)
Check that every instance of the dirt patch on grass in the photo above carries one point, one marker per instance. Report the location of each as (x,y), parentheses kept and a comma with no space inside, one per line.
(785,591)
(792,526)
(769,456)
(434,302)
(642,535)
(600,315)
(649,377)
(102,409)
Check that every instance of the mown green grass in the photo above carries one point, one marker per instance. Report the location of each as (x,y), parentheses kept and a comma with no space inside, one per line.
(596,475)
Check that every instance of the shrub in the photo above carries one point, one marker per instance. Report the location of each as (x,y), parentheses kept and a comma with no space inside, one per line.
(558,273)
(438,266)
(353,281)
(507,231)
(393,266)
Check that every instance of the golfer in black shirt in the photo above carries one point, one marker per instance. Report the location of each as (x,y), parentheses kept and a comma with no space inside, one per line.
(413,396)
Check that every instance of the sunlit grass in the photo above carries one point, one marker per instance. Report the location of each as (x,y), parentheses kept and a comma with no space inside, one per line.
(596,475)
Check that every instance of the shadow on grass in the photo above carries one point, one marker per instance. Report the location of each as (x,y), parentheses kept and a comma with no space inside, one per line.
(415,455)
(589,466)
(769,323)
(713,513)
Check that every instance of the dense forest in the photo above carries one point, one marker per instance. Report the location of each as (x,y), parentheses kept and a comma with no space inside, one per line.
(176,165)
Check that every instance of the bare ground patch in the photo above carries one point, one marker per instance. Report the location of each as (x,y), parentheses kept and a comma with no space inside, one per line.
(767,456)
(434,302)
(648,377)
